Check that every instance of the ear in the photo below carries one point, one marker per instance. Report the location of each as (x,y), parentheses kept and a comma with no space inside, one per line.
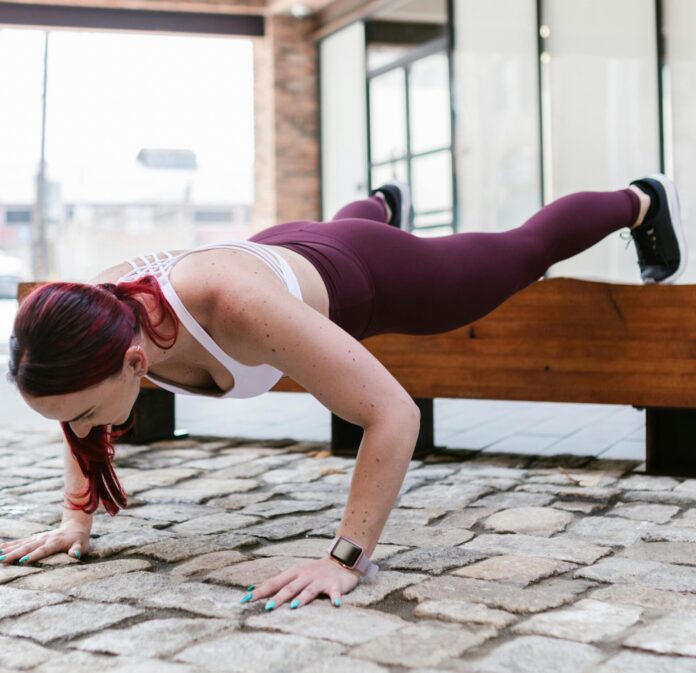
(135,360)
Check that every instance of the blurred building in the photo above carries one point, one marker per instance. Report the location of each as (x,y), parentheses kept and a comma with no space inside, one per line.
(78,240)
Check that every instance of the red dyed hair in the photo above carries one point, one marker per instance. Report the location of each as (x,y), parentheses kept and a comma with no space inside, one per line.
(71,336)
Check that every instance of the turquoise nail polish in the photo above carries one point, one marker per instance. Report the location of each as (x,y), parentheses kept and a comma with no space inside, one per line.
(23,559)
(246,598)
(251,587)
(2,558)
(295,603)
(77,553)
(270,605)
(337,602)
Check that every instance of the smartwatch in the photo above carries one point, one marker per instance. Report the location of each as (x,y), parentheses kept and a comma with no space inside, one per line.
(351,555)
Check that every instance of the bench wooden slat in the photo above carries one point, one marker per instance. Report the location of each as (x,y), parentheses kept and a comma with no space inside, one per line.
(559,340)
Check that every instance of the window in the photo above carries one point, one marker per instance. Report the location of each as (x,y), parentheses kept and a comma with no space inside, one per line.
(410,111)
(143,130)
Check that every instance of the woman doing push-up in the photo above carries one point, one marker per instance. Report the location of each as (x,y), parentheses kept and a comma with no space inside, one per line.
(229,320)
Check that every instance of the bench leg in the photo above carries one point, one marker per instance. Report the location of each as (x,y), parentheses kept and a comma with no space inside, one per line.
(670,437)
(346,437)
(154,417)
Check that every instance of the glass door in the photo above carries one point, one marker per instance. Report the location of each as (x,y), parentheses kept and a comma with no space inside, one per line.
(410,111)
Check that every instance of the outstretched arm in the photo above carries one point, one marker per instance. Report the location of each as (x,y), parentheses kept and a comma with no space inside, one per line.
(344,376)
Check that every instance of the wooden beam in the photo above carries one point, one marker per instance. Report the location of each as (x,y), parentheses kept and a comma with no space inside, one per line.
(285,6)
(56,16)
(340,13)
(257,7)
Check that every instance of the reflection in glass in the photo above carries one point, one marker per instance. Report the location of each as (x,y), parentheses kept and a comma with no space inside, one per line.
(495,69)
(379,55)
(388,116)
(396,170)
(680,18)
(603,92)
(401,26)
(433,219)
(432,233)
(432,182)
(430,103)
(604,112)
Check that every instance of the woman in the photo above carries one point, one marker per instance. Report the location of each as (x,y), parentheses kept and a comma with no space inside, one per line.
(227,320)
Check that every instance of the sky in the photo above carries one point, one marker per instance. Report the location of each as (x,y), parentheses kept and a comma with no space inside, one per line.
(112,94)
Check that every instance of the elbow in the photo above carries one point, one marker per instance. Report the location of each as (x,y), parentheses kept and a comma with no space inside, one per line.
(404,414)
(415,415)
(409,416)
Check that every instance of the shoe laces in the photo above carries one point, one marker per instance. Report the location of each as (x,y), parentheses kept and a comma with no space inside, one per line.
(646,243)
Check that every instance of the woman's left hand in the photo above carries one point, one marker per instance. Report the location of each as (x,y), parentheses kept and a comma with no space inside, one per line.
(302,583)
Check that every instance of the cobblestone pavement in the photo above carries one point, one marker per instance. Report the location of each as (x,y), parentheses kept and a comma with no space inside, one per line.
(494,563)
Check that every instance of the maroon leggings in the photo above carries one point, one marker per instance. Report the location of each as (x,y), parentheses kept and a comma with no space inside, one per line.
(382,279)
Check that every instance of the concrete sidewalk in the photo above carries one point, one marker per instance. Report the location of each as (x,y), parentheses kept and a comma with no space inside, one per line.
(493,564)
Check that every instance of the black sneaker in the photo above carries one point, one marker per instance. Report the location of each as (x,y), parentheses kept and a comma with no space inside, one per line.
(659,239)
(398,198)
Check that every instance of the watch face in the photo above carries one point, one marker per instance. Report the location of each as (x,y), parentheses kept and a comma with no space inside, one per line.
(346,552)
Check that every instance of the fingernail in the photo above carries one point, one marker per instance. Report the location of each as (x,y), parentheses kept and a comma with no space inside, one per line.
(246,598)
(23,559)
(295,603)
(2,558)
(77,553)
(337,602)
(251,587)
(270,605)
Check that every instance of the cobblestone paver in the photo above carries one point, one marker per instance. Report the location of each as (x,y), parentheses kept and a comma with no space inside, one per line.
(493,564)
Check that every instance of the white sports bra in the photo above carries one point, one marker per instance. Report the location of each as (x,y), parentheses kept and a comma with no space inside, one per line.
(248,381)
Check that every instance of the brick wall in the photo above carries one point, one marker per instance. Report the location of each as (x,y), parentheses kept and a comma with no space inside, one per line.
(287,123)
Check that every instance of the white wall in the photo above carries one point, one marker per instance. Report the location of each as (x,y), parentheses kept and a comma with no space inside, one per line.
(343,118)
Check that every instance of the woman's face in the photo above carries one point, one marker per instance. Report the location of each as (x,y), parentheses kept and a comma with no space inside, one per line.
(108,403)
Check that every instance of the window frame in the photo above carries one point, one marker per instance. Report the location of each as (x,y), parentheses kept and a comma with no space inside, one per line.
(441,45)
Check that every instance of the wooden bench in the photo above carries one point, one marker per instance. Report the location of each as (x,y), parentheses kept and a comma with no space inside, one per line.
(560,340)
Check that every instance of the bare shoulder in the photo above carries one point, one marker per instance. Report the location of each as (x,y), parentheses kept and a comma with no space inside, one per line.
(216,277)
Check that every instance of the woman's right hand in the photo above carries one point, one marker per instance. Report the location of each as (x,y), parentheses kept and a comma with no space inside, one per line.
(71,536)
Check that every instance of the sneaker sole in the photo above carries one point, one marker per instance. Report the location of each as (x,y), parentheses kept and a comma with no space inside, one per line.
(673,205)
